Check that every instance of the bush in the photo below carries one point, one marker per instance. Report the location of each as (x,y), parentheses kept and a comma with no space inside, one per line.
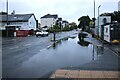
(51,30)
(66,28)
(56,27)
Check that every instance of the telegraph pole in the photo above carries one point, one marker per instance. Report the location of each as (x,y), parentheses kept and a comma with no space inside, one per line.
(93,30)
(7,16)
(94,13)
(7,10)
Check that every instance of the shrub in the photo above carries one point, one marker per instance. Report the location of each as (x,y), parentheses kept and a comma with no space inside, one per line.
(66,28)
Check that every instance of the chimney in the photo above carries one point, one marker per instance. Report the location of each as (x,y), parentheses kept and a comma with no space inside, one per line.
(13,12)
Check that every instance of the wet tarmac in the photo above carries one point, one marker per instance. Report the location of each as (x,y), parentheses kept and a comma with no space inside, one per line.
(66,52)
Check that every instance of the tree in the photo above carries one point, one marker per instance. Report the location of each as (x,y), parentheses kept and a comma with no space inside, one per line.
(93,19)
(66,28)
(73,25)
(84,21)
(91,24)
(56,27)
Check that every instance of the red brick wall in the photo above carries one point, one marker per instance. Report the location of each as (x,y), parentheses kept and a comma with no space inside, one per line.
(22,33)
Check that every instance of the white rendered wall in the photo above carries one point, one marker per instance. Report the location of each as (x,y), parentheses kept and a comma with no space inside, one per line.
(32,23)
(49,22)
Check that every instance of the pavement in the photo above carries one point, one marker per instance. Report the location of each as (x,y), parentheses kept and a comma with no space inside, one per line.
(85,74)
(115,48)
(109,61)
(98,42)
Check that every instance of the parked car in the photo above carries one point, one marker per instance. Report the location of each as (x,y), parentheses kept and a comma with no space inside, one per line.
(41,33)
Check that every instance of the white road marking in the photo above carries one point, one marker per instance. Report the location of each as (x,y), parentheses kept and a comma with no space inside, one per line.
(13,39)
(42,49)
(49,46)
(27,44)
(14,47)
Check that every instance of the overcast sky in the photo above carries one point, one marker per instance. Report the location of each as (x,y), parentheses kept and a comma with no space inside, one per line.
(69,10)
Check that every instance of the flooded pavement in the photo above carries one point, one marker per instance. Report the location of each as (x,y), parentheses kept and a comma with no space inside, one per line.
(67,52)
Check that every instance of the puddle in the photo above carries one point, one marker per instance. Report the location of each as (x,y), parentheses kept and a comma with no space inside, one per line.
(64,53)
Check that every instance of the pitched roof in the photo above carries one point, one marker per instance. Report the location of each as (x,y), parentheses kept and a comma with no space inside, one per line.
(3,13)
(16,17)
(60,19)
(64,21)
(50,16)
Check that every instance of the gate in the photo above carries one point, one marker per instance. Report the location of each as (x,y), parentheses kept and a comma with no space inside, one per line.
(10,31)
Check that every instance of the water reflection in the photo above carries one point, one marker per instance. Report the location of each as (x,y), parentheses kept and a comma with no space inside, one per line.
(97,51)
(58,42)
(54,45)
(93,56)
(81,41)
(73,37)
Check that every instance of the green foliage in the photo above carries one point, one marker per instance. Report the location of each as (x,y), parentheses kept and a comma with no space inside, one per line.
(73,25)
(84,21)
(50,30)
(66,28)
(56,27)
(92,24)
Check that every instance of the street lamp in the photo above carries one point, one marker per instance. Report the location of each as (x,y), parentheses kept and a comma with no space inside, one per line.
(98,18)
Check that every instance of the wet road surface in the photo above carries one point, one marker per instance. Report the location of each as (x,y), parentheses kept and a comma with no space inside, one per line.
(33,57)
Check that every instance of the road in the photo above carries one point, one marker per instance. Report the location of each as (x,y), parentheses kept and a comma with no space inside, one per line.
(34,57)
(17,50)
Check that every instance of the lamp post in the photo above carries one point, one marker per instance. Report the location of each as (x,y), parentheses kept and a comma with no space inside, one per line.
(98,18)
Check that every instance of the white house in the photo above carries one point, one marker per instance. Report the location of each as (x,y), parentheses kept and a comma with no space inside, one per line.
(18,24)
(48,20)
(59,23)
(102,20)
(65,23)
